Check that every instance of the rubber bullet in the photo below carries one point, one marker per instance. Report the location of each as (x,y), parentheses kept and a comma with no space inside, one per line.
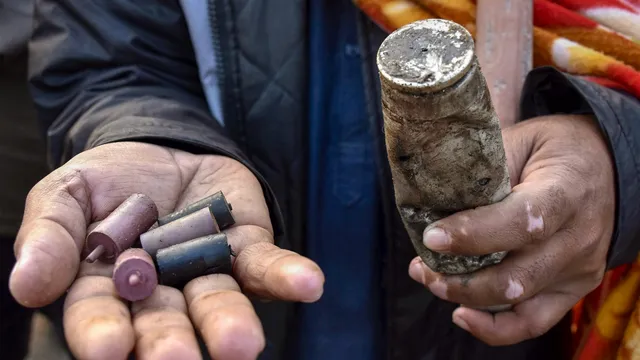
(135,275)
(194,225)
(181,263)
(121,228)
(218,204)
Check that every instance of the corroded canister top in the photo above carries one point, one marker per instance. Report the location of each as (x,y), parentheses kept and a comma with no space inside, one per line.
(429,71)
(426,56)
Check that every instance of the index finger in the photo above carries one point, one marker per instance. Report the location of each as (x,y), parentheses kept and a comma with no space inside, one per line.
(532,212)
(48,244)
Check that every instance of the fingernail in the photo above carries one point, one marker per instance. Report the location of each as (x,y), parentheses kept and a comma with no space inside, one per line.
(461,323)
(436,239)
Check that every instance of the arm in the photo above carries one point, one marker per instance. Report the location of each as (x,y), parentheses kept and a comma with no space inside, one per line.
(117,91)
(548,91)
(104,72)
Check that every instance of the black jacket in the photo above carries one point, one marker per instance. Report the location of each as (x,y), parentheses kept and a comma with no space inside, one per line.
(104,72)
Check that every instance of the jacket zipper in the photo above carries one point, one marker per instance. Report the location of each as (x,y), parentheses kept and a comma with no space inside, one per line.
(230,104)
(220,12)
(214,27)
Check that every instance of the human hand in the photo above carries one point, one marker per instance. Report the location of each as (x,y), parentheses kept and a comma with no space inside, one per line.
(100,325)
(557,225)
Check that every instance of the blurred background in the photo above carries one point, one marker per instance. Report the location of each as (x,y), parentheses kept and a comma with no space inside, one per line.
(22,165)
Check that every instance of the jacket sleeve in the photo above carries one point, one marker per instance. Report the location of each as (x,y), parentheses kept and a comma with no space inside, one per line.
(120,70)
(548,91)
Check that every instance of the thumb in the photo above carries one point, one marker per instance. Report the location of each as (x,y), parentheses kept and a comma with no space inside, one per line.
(48,244)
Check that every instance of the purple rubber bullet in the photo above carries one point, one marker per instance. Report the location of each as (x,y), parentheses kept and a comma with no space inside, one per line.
(194,225)
(135,275)
(121,228)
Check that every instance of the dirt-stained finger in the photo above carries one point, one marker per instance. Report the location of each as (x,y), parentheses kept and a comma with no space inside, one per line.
(225,318)
(533,212)
(270,272)
(163,328)
(97,324)
(519,277)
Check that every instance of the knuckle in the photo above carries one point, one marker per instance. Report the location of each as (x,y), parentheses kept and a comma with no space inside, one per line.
(514,284)
(74,184)
(89,287)
(553,203)
(223,300)
(63,186)
(469,233)
(582,165)
(255,273)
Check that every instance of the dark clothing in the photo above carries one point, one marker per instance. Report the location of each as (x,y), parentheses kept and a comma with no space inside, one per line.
(343,230)
(123,70)
(15,25)
(22,163)
(22,147)
(16,320)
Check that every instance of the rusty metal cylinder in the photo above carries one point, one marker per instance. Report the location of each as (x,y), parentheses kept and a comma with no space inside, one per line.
(443,137)
(118,231)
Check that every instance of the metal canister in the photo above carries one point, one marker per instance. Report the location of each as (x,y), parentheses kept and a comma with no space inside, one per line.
(443,137)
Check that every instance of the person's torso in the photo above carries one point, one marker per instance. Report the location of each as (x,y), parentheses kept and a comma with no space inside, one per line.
(255,57)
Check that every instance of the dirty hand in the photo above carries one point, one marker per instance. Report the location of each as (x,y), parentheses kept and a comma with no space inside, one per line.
(99,325)
(557,225)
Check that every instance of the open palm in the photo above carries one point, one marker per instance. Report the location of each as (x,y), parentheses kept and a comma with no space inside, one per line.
(100,325)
